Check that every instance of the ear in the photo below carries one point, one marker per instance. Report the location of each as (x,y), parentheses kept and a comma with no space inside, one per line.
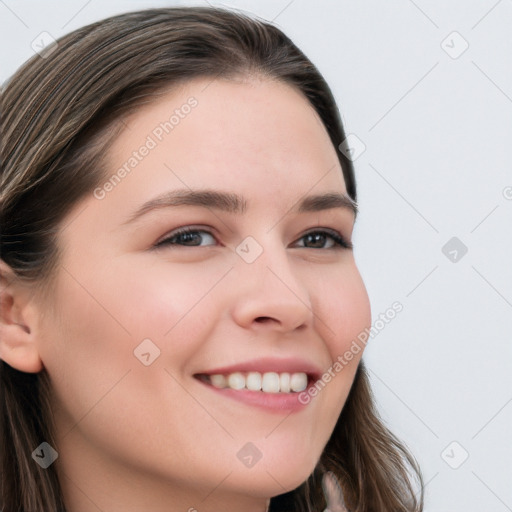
(18,347)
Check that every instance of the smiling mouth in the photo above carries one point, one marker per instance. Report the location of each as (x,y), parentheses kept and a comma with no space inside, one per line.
(268,382)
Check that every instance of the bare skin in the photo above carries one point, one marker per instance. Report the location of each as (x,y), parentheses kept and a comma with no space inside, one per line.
(133,437)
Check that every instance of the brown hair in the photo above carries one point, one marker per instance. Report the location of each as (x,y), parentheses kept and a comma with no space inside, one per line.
(58,115)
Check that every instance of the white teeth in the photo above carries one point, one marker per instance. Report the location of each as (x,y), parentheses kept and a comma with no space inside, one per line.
(219,381)
(298,382)
(236,381)
(253,381)
(269,382)
(285,383)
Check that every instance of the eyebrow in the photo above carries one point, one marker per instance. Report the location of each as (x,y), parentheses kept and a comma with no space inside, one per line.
(237,205)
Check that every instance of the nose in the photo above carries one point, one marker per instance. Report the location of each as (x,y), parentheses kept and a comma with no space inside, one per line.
(270,293)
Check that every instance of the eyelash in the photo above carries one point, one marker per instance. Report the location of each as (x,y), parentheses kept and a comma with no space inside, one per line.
(339,240)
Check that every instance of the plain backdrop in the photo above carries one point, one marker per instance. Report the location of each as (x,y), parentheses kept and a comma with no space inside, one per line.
(426,90)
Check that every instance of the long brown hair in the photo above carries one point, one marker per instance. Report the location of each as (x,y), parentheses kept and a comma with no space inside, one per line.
(58,114)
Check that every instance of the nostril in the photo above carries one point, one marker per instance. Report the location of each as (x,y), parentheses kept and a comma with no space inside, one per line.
(263,319)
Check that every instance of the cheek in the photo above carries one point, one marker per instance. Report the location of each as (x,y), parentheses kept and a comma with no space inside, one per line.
(102,390)
(172,305)
(87,345)
(342,311)
(105,312)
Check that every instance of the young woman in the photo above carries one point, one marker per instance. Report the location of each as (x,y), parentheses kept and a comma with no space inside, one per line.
(181,312)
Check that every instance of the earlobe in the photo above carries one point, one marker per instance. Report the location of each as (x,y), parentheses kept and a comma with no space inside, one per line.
(20,356)
(18,347)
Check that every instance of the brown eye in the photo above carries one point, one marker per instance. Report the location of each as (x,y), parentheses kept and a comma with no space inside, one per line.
(318,239)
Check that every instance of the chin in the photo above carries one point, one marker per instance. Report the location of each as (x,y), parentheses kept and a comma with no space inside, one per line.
(279,477)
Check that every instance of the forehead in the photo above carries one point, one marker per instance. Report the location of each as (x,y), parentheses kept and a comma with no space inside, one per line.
(231,132)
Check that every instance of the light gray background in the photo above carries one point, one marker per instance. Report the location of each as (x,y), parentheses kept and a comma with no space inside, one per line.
(437,164)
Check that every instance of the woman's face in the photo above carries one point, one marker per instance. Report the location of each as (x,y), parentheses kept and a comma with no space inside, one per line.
(140,313)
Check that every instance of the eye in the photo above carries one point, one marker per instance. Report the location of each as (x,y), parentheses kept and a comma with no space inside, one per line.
(192,237)
(188,237)
(319,237)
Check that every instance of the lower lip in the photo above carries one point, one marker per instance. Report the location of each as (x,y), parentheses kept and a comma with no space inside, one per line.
(277,402)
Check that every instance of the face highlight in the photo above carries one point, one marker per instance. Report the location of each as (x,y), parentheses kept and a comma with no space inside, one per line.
(150,322)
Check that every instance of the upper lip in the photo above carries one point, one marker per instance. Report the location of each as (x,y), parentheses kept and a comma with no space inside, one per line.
(267,364)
